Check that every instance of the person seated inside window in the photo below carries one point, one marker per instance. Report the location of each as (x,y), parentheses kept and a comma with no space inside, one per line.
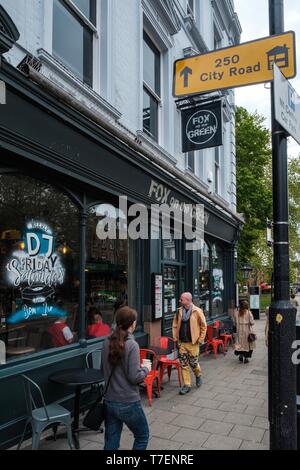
(96,327)
(60,333)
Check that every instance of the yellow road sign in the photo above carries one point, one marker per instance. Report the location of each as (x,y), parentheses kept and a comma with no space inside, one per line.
(246,64)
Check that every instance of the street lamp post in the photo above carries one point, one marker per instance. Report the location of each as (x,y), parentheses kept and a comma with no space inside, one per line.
(246,270)
(282,315)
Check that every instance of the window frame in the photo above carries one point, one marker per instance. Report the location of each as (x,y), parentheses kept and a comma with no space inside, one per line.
(148,90)
(191,167)
(89,26)
(217,171)
(190,8)
(89,22)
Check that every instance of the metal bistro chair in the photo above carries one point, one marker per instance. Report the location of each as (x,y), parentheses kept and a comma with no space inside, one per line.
(42,417)
(93,361)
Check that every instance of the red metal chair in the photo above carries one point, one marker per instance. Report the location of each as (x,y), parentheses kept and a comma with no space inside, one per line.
(153,374)
(213,341)
(224,335)
(166,362)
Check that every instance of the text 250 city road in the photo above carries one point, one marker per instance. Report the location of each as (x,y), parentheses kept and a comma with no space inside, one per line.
(246,64)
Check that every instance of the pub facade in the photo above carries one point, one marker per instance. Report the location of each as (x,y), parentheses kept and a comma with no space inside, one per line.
(68,151)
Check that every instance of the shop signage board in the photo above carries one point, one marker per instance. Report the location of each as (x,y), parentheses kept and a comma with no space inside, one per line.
(246,64)
(2,93)
(202,127)
(287,105)
(35,270)
(157,296)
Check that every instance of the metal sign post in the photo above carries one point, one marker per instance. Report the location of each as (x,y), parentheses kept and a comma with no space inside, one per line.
(282,314)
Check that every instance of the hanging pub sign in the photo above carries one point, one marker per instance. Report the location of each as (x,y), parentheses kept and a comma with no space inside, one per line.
(202,127)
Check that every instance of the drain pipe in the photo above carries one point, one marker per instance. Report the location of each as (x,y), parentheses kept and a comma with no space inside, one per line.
(62,95)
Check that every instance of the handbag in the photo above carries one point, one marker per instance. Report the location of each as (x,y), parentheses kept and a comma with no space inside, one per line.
(251,337)
(95,416)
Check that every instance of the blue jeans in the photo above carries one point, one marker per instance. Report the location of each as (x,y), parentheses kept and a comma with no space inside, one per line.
(132,414)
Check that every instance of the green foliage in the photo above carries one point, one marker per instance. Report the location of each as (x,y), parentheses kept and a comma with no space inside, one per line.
(254,195)
(294,207)
(254,185)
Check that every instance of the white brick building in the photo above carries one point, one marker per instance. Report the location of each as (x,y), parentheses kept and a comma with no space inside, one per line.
(90,116)
(176,28)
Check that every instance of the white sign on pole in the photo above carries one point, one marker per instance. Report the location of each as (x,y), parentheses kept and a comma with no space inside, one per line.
(2,93)
(287,105)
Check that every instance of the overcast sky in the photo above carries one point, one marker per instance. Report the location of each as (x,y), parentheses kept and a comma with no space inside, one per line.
(254,19)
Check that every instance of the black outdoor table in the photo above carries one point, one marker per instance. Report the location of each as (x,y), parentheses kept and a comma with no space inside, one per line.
(77,378)
(159,351)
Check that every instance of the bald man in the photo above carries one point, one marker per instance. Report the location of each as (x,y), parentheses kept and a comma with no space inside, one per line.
(189,330)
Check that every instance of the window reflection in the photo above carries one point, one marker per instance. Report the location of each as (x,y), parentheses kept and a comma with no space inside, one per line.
(72,41)
(204,279)
(106,269)
(39,266)
(218,280)
(169,248)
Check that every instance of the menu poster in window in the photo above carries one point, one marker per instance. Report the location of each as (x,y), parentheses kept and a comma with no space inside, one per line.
(35,269)
(157,296)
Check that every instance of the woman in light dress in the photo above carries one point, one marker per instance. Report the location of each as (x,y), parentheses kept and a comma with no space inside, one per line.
(244,323)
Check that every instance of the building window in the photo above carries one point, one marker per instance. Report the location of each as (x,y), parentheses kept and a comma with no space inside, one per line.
(106,270)
(152,88)
(217,280)
(217,39)
(39,266)
(191,7)
(204,279)
(73,30)
(217,170)
(191,161)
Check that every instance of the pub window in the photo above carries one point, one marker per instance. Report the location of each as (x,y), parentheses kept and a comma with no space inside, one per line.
(191,161)
(106,270)
(151,88)
(204,279)
(217,39)
(217,280)
(73,29)
(191,7)
(217,170)
(39,267)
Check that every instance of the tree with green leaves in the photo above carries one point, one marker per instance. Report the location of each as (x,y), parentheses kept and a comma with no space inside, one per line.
(254,186)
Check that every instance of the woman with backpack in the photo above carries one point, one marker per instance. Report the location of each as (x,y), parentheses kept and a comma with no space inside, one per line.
(123,373)
(244,323)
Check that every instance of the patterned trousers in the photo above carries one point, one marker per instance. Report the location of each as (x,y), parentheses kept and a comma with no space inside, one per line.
(189,357)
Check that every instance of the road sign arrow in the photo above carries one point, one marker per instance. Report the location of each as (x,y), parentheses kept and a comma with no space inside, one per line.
(185,73)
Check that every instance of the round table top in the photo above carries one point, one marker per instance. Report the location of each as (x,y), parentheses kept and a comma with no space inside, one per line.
(77,377)
(162,351)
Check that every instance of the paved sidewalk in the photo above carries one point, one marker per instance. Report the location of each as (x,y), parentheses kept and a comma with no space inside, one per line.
(229,411)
